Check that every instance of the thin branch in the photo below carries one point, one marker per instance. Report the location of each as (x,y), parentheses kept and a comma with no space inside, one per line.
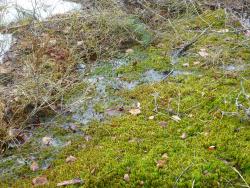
(240,176)
(183,172)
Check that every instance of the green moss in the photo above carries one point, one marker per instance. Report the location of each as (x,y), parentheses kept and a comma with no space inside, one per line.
(74,91)
(99,108)
(216,19)
(156,60)
(244,54)
(104,69)
(133,144)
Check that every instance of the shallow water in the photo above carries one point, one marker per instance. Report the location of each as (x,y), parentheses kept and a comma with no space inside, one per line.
(152,76)
(182,73)
(234,68)
(103,86)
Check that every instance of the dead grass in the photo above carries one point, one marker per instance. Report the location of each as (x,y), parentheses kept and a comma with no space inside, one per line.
(48,54)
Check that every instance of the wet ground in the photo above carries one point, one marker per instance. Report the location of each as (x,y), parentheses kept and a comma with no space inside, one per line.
(98,100)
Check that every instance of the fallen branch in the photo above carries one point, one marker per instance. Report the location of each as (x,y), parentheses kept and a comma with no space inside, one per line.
(240,176)
(179,52)
(183,172)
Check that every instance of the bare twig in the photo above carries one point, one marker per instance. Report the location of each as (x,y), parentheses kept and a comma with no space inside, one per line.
(193,183)
(155,95)
(247,185)
(177,53)
(183,172)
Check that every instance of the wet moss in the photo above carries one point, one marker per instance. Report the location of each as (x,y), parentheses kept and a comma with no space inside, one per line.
(215,19)
(99,108)
(74,91)
(156,59)
(133,144)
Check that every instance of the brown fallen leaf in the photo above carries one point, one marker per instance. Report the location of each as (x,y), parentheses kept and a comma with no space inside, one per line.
(196,63)
(206,133)
(23,137)
(34,166)
(47,140)
(53,42)
(203,52)
(80,43)
(151,117)
(247,33)
(41,180)
(211,148)
(164,156)
(70,182)
(135,111)
(223,31)
(126,177)
(163,124)
(184,136)
(161,163)
(141,183)
(176,118)
(71,159)
(88,138)
(93,171)
(129,51)
(138,105)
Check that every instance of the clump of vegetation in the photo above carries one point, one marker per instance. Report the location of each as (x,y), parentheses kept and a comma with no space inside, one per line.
(50,52)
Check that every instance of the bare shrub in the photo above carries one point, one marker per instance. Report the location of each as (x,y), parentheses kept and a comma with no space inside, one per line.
(47,54)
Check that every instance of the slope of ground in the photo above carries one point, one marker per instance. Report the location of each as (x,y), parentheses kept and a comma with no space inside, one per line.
(190,129)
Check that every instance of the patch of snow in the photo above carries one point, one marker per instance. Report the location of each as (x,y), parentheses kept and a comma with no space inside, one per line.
(5,44)
(233,67)
(39,9)
(153,76)
(14,10)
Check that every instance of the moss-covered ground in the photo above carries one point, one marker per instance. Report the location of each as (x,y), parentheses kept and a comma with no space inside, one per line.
(207,147)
